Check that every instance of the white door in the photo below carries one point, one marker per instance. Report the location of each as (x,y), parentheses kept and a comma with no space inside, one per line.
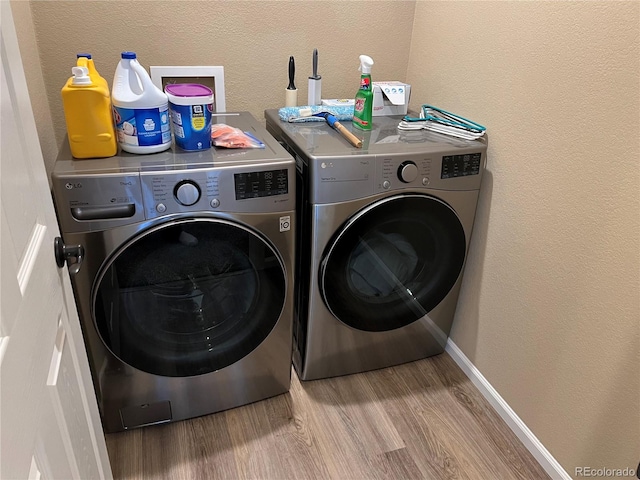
(50,426)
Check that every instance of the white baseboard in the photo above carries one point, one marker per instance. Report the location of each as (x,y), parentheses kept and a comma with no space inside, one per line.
(526,436)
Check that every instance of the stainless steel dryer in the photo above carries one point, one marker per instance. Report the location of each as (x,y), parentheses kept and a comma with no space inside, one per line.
(185,289)
(383,234)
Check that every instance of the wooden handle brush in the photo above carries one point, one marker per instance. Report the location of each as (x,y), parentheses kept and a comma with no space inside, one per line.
(353,140)
(336,125)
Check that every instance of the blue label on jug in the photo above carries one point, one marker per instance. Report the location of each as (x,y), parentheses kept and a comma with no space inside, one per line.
(142,127)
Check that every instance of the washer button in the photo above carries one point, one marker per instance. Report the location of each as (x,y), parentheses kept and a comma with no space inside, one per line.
(425,181)
(386,184)
(215,203)
(161,208)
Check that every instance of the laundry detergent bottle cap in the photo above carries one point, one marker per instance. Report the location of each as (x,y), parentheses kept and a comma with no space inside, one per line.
(81,76)
(363,107)
(140,109)
(86,60)
(87,112)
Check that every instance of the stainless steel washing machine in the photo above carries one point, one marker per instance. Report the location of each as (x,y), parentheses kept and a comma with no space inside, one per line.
(383,234)
(185,285)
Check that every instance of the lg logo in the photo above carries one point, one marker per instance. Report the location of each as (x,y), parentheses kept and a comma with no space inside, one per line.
(71,186)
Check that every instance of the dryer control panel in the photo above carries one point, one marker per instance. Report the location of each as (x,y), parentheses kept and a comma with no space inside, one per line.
(460,165)
(390,160)
(396,171)
(341,179)
(442,172)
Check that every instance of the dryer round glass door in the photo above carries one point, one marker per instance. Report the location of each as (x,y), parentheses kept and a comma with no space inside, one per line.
(392,262)
(189,297)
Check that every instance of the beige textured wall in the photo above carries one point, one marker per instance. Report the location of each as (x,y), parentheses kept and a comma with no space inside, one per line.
(549,310)
(22,19)
(251,39)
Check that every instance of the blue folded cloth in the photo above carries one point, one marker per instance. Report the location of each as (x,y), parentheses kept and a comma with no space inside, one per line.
(292,114)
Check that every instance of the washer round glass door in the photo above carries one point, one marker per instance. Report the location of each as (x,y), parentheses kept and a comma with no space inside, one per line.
(392,262)
(189,297)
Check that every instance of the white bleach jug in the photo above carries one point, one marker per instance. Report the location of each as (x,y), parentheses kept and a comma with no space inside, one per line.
(140,109)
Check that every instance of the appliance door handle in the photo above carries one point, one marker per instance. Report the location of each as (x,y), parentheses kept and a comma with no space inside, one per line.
(104,213)
(64,252)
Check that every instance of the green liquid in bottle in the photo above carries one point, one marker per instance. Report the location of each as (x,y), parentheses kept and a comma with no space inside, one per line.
(363,108)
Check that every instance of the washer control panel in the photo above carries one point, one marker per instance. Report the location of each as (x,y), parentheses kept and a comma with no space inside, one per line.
(261,184)
(95,202)
(251,189)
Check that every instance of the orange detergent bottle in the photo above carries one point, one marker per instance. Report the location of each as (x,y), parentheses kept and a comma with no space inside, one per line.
(87,111)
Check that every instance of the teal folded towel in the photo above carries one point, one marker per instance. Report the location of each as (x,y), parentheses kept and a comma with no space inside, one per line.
(292,114)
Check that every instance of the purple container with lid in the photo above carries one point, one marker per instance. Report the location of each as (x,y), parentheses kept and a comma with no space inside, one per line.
(191,105)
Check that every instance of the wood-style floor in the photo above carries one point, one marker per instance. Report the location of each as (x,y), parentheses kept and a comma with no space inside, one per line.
(419,420)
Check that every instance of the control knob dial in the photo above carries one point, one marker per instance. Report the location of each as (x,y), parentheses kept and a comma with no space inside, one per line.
(187,193)
(407,171)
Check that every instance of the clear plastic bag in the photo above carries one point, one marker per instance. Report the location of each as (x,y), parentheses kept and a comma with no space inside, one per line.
(223,135)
